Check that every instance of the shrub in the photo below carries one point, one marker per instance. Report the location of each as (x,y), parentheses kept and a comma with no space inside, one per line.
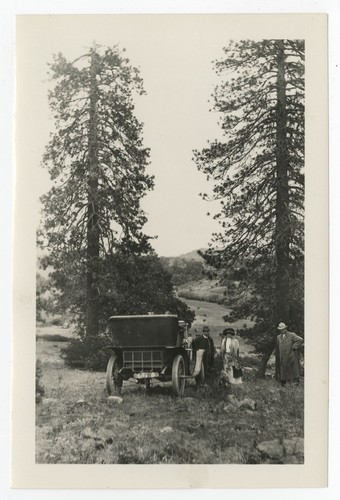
(56,321)
(53,337)
(90,353)
(251,361)
(39,388)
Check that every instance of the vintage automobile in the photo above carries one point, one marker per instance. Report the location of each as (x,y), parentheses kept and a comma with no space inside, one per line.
(150,347)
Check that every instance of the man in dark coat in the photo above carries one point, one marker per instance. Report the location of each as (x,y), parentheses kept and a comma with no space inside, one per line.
(206,342)
(287,356)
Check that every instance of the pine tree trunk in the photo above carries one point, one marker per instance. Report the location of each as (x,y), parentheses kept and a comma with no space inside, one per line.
(282,225)
(282,229)
(265,358)
(92,317)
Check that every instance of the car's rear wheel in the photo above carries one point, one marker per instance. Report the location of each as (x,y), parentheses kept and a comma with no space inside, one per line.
(178,372)
(114,380)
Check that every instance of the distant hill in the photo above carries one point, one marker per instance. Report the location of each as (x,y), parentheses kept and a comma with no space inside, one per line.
(182,269)
(190,275)
(193,255)
(193,279)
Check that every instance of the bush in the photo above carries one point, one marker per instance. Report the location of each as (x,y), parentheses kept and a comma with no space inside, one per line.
(56,321)
(89,353)
(39,388)
(54,337)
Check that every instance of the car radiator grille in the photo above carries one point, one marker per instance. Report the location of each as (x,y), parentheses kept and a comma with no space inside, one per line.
(142,360)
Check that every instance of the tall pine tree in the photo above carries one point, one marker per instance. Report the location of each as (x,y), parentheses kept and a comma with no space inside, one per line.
(97,162)
(258,169)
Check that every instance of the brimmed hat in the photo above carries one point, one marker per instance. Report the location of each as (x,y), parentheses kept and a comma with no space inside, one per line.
(282,326)
(205,329)
(228,331)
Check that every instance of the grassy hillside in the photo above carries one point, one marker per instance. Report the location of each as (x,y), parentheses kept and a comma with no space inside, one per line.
(190,275)
(203,289)
(211,314)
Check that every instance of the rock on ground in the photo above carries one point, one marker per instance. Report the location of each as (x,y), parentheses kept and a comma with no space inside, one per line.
(233,400)
(166,430)
(272,449)
(294,446)
(82,402)
(248,403)
(114,400)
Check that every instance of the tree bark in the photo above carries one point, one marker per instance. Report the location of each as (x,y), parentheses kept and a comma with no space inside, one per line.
(265,358)
(92,317)
(282,229)
(282,221)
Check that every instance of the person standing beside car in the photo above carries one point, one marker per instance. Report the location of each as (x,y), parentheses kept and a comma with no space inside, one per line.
(230,352)
(206,342)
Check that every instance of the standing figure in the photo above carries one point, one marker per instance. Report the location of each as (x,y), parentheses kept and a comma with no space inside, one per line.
(230,352)
(287,366)
(205,342)
(189,341)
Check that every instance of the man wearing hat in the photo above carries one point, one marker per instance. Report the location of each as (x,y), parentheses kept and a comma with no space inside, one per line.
(206,342)
(287,366)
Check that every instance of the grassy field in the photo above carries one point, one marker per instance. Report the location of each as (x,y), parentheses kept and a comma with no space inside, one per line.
(203,290)
(75,422)
(211,314)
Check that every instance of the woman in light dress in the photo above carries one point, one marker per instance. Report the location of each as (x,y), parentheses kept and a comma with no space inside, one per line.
(230,352)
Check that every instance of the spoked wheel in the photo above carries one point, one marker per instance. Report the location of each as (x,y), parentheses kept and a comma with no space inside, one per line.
(178,370)
(114,380)
(191,362)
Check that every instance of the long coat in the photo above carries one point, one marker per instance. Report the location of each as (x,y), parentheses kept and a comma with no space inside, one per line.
(206,343)
(230,350)
(287,356)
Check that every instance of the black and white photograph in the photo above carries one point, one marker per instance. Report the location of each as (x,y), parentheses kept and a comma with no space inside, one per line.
(166,164)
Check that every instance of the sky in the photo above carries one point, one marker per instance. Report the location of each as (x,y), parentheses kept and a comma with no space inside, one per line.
(174,55)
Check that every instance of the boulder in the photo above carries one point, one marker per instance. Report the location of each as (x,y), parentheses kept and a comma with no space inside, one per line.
(114,400)
(233,400)
(289,446)
(82,402)
(272,449)
(166,430)
(248,403)
(294,446)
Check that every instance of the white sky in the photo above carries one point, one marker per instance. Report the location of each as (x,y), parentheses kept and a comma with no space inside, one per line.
(175,59)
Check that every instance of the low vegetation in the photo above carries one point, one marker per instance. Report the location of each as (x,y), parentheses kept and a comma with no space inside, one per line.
(205,290)
(75,423)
